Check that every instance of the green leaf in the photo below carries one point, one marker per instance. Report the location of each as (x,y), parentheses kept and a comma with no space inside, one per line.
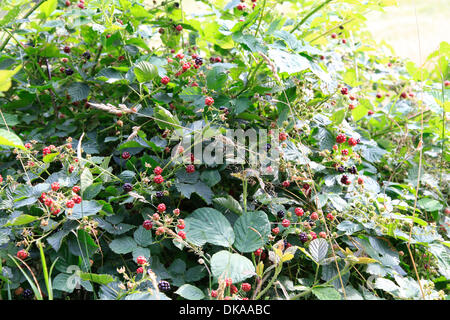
(190,292)
(216,78)
(210,177)
(145,71)
(97,278)
(21,220)
(326,293)
(78,91)
(231,265)
(86,179)
(165,119)
(143,237)
(10,139)
(84,209)
(288,62)
(208,225)
(229,203)
(48,7)
(5,79)
(318,248)
(123,245)
(251,230)
(50,157)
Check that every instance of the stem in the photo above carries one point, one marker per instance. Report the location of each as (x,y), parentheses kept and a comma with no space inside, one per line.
(260,17)
(275,276)
(304,293)
(320,6)
(45,271)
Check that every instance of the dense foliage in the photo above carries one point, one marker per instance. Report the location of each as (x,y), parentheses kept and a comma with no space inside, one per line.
(96,204)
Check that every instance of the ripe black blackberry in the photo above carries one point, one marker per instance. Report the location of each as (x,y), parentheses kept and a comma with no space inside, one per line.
(344,179)
(268,146)
(159,194)
(27,294)
(280,214)
(87,55)
(164,286)
(212,60)
(129,206)
(68,71)
(341,169)
(198,61)
(127,187)
(352,170)
(303,237)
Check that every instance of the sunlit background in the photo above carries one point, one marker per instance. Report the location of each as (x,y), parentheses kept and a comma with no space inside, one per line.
(413,22)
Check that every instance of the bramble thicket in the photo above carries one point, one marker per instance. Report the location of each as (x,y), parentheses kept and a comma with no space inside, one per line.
(99,198)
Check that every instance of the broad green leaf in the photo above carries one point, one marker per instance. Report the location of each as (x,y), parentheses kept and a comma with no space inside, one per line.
(21,220)
(208,225)
(225,264)
(318,249)
(326,293)
(190,292)
(97,278)
(48,7)
(10,139)
(145,71)
(251,230)
(123,245)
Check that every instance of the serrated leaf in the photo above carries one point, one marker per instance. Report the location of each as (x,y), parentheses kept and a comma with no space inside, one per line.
(190,292)
(318,249)
(251,230)
(231,265)
(208,225)
(123,245)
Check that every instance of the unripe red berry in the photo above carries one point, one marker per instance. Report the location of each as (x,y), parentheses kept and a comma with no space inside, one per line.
(179,27)
(22,254)
(141,260)
(276,230)
(70,204)
(246,287)
(161,208)
(322,234)
(55,186)
(182,234)
(285,223)
(213,294)
(157,170)
(190,168)
(299,212)
(140,270)
(209,101)
(334,35)
(126,155)
(314,216)
(76,189)
(158,179)
(77,199)
(360,180)
(147,224)
(330,217)
(341,138)
(286,184)
(165,80)
(352,142)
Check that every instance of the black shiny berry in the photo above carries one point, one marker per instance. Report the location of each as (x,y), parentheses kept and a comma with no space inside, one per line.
(129,206)
(159,194)
(352,170)
(303,237)
(127,187)
(341,169)
(212,60)
(280,214)
(344,179)
(28,294)
(164,286)
(198,61)
(268,146)
(87,55)
(68,71)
